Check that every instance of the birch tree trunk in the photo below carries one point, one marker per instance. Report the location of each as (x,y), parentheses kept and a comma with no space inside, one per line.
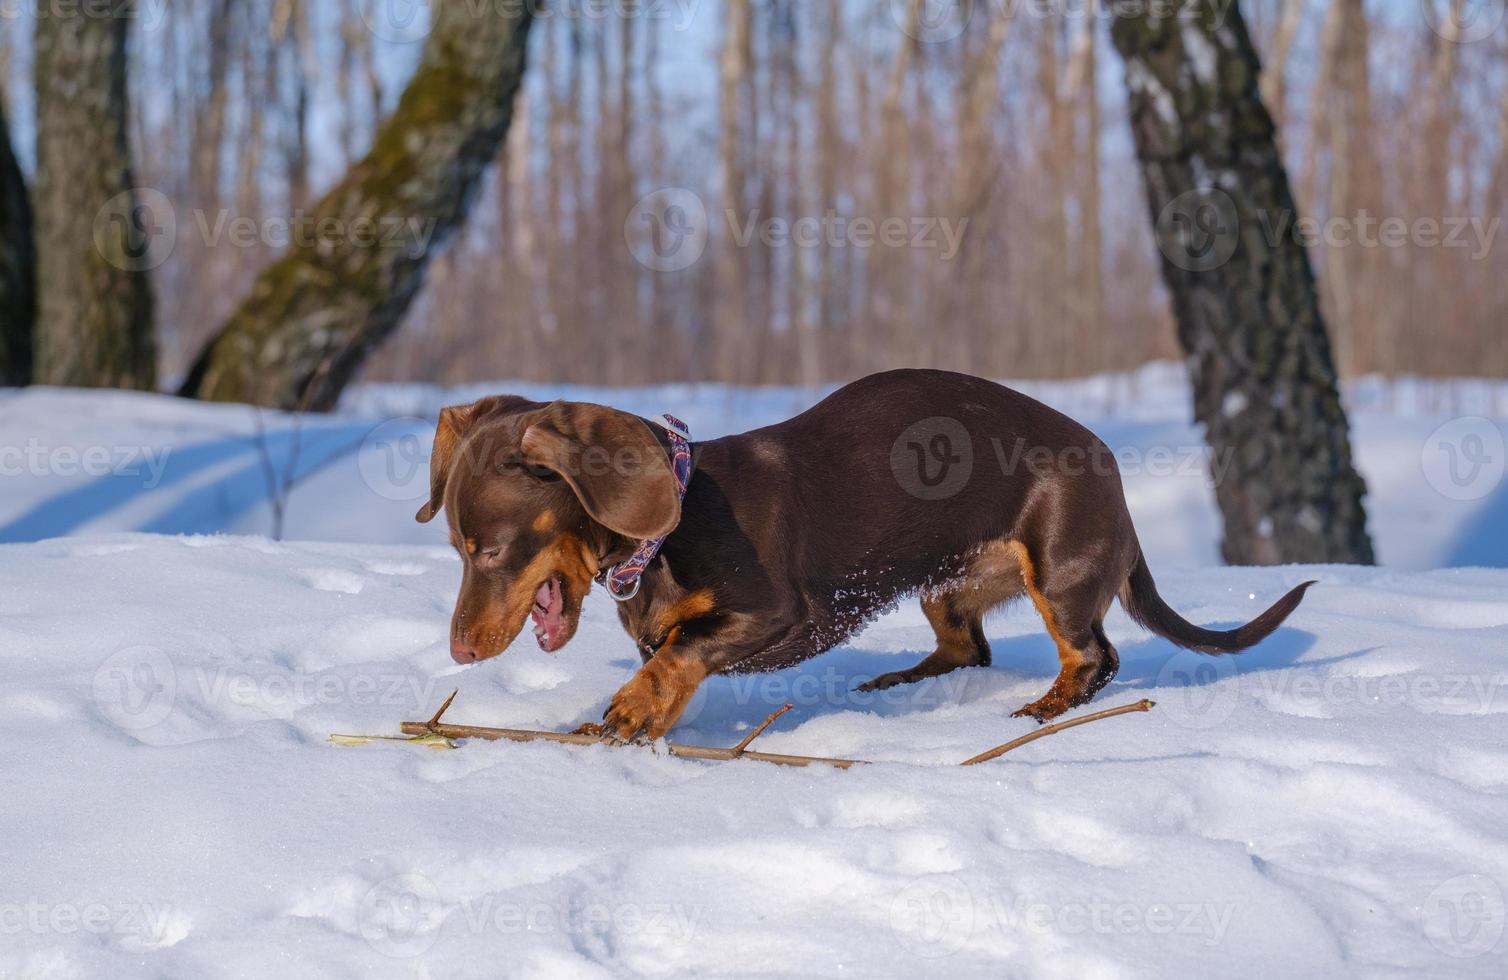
(315,315)
(1243,294)
(18,268)
(94,237)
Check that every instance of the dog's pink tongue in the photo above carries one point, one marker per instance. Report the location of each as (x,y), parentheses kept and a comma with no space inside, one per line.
(547,613)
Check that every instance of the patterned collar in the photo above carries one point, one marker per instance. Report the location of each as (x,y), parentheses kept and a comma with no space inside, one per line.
(622,579)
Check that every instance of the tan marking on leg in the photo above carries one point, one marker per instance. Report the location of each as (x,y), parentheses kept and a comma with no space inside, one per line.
(649,704)
(1072,685)
(689,606)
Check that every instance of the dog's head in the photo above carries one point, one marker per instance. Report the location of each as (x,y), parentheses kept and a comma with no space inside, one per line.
(538,496)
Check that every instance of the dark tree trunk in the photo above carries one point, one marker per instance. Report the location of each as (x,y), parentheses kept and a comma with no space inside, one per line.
(18,268)
(1243,294)
(95,238)
(314,315)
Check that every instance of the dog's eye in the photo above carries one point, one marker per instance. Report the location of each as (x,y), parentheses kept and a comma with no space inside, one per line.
(542,473)
(492,553)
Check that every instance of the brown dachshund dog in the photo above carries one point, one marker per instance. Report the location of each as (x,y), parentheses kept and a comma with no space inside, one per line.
(792,537)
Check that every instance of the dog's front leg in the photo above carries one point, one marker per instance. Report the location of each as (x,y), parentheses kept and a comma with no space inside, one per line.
(649,704)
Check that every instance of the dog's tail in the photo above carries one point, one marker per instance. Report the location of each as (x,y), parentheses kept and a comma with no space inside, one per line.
(1140,599)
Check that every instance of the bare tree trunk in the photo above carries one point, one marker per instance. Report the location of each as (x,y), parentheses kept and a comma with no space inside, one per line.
(18,268)
(1245,301)
(1052,248)
(1274,80)
(731,324)
(94,237)
(1347,282)
(829,149)
(1082,85)
(315,315)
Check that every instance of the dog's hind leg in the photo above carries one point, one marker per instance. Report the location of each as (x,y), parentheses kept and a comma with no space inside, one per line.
(1073,608)
(957,617)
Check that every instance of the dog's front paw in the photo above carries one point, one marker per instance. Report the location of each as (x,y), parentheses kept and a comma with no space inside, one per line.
(647,706)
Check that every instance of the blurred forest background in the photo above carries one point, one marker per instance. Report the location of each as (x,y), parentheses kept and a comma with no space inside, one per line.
(1010,124)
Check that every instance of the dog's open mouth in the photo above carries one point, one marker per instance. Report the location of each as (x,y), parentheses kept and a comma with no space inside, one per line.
(549,614)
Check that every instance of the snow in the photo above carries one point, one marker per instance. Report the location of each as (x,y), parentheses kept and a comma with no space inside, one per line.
(1331,803)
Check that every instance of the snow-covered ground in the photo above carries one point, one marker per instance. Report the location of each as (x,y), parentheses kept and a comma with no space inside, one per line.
(1334,803)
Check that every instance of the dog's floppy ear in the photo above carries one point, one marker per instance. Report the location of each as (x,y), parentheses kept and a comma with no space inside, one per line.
(611,459)
(455,422)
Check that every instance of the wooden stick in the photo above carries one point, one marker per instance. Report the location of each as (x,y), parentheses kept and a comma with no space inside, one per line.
(1046,730)
(435,720)
(571,738)
(738,749)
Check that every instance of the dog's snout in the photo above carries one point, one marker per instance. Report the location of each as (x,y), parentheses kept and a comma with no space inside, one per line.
(461,652)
